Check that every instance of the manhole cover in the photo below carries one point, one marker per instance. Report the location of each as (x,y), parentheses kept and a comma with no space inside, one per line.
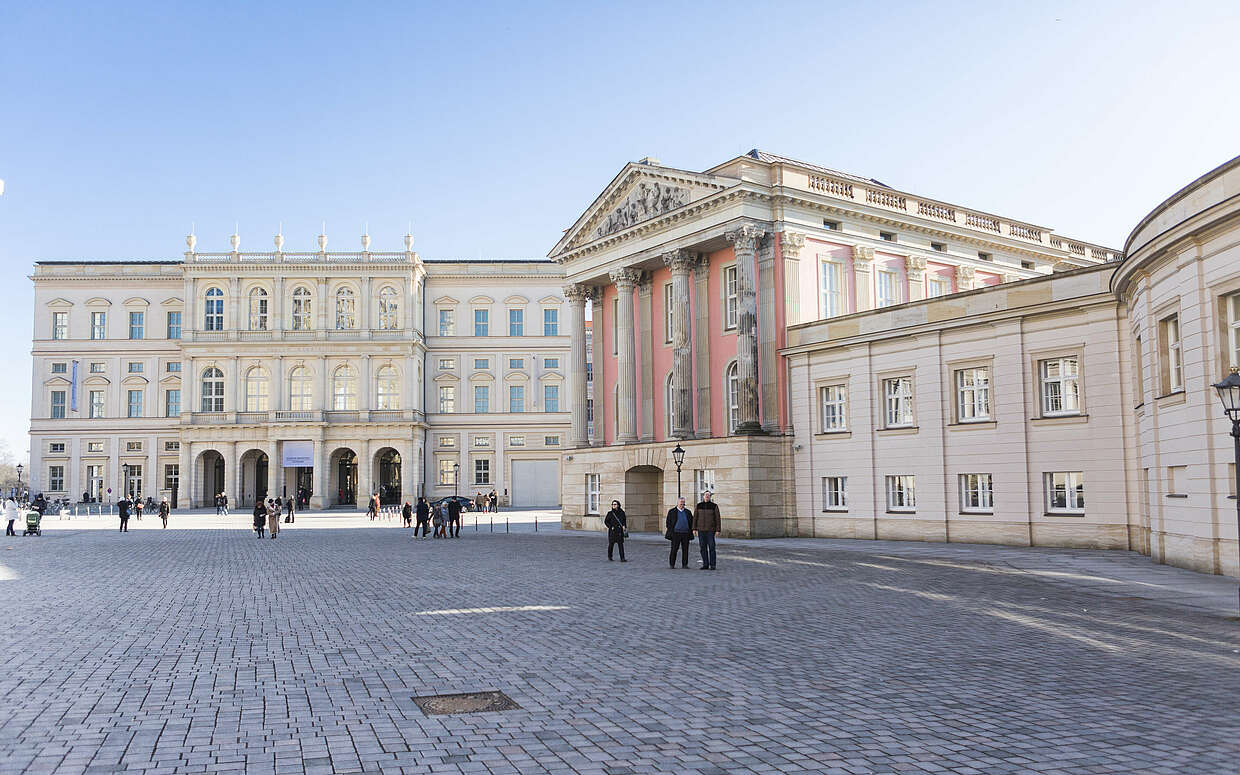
(473,702)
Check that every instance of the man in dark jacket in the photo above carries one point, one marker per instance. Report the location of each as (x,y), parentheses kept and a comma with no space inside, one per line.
(707,523)
(122,510)
(424,517)
(454,518)
(679,532)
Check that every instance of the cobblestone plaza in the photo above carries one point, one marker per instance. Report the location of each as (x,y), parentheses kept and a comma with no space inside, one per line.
(204,650)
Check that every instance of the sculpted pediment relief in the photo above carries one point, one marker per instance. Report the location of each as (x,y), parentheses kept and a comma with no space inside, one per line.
(649,198)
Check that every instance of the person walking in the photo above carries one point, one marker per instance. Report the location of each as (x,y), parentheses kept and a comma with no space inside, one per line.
(372,508)
(707,523)
(273,519)
(424,517)
(137,507)
(122,510)
(10,515)
(679,532)
(454,518)
(494,498)
(164,509)
(260,517)
(617,525)
(406,514)
(290,514)
(438,520)
(224,502)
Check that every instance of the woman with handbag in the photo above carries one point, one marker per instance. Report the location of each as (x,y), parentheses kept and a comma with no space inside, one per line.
(617,529)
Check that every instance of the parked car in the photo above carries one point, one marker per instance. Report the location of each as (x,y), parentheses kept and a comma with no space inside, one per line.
(467,504)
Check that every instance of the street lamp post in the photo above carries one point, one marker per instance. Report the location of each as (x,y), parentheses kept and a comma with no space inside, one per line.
(1229,393)
(19,480)
(456,479)
(678,455)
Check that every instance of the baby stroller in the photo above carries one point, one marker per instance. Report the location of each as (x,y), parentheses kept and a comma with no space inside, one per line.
(32,524)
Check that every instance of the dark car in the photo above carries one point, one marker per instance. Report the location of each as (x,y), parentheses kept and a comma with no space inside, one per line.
(467,504)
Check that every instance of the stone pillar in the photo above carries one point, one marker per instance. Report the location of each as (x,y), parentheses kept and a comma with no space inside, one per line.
(153,481)
(235,310)
(319,487)
(863,257)
(602,402)
(790,244)
(185,498)
(279,386)
(577,295)
(645,357)
(275,306)
(626,377)
(365,485)
(275,468)
(916,268)
(701,343)
(964,278)
(767,293)
(364,303)
(408,471)
(745,244)
(232,474)
(681,263)
(364,386)
(322,316)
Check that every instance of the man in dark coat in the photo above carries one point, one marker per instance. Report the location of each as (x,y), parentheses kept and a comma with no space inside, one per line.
(424,517)
(122,509)
(707,523)
(679,532)
(454,518)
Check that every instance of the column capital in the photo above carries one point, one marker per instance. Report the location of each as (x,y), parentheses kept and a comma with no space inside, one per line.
(915,266)
(679,261)
(862,254)
(579,292)
(964,274)
(790,243)
(626,278)
(745,239)
(646,286)
(1010,278)
(701,268)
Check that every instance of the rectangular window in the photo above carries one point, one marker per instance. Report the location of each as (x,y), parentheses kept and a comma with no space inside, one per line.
(731,297)
(447,322)
(667,313)
(56,447)
(1061,392)
(172,446)
(516,441)
(551,363)
(136,367)
(133,446)
(98,325)
(885,290)
(830,225)
(172,476)
(174,325)
(976,494)
(551,441)
(1065,492)
(901,493)
(447,475)
(898,401)
(551,398)
(58,404)
(482,363)
(1026,265)
(615,326)
(938,286)
(939,247)
(593,489)
(887,236)
(60,368)
(174,367)
(835,493)
(97,367)
(973,395)
(448,442)
(172,403)
(516,322)
(482,322)
(94,446)
(1233,329)
(831,288)
(1173,361)
(1138,370)
(551,322)
(516,398)
(137,324)
(447,399)
(56,478)
(447,364)
(96,404)
(482,471)
(703,481)
(985,256)
(135,403)
(60,325)
(482,442)
(482,399)
(834,401)
(1177,480)
(516,363)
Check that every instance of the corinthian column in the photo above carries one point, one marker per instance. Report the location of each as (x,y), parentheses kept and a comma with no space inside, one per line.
(681,262)
(964,278)
(744,244)
(626,366)
(577,296)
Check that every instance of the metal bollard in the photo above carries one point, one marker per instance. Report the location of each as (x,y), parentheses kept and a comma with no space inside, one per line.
(535,523)
(492,524)
(505,524)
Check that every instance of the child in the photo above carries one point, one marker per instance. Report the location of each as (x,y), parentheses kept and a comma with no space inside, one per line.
(438,521)
(260,518)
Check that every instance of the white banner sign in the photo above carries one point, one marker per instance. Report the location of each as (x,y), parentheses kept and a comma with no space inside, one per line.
(298,454)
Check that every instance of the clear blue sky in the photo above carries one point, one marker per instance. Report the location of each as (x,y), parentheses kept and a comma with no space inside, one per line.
(493,125)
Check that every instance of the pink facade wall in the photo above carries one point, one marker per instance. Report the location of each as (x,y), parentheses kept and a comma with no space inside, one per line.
(986,278)
(722,344)
(811,255)
(942,271)
(660,349)
(605,369)
(887,262)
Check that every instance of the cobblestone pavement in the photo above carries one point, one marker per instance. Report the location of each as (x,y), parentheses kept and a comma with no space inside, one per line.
(205,650)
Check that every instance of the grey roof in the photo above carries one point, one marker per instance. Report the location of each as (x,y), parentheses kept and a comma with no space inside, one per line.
(103,261)
(775,159)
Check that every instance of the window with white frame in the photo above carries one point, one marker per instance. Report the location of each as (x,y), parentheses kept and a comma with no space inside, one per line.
(133,446)
(516,363)
(551,441)
(551,322)
(94,446)
(1233,329)
(447,442)
(346,309)
(734,398)
(213,310)
(901,493)
(835,493)
(516,440)
(482,322)
(174,325)
(516,322)
(134,404)
(834,402)
(56,447)
(96,404)
(898,402)
(56,478)
(703,481)
(447,399)
(58,405)
(447,474)
(172,475)
(594,486)
(301,308)
(938,286)
(482,399)
(60,368)
(482,471)
(258,309)
(516,398)
(212,390)
(667,313)
(172,446)
(344,388)
(387,388)
(256,390)
(173,367)
(60,325)
(447,322)
(976,494)
(731,297)
(172,402)
(1065,492)
(389,308)
(667,404)
(137,325)
(300,389)
(973,394)
(551,363)
(98,325)
(1061,391)
(886,288)
(482,363)
(551,398)
(136,367)
(1173,359)
(831,288)
(482,442)
(97,367)
(1138,369)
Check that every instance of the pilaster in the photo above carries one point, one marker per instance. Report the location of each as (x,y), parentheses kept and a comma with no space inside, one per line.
(701,340)
(602,402)
(768,395)
(745,244)
(964,278)
(790,244)
(626,378)
(577,296)
(863,259)
(915,266)
(646,357)
(318,497)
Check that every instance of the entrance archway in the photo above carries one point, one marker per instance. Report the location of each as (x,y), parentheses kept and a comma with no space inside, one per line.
(255,477)
(343,467)
(387,468)
(643,498)
(211,477)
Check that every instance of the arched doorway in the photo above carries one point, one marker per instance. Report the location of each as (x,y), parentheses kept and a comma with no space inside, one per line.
(643,498)
(255,477)
(344,477)
(211,470)
(386,470)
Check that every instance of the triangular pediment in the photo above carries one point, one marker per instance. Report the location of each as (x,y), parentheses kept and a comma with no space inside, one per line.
(640,193)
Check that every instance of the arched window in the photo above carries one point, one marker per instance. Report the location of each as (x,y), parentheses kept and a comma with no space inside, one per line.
(300,390)
(344,388)
(256,390)
(301,309)
(213,310)
(734,398)
(667,403)
(389,308)
(387,388)
(212,390)
(258,309)
(346,309)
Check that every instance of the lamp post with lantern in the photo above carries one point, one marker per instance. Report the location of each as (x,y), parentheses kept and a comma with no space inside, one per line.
(1229,393)
(19,481)
(678,456)
(456,480)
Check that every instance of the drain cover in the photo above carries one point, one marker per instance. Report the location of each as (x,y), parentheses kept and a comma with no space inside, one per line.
(473,702)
